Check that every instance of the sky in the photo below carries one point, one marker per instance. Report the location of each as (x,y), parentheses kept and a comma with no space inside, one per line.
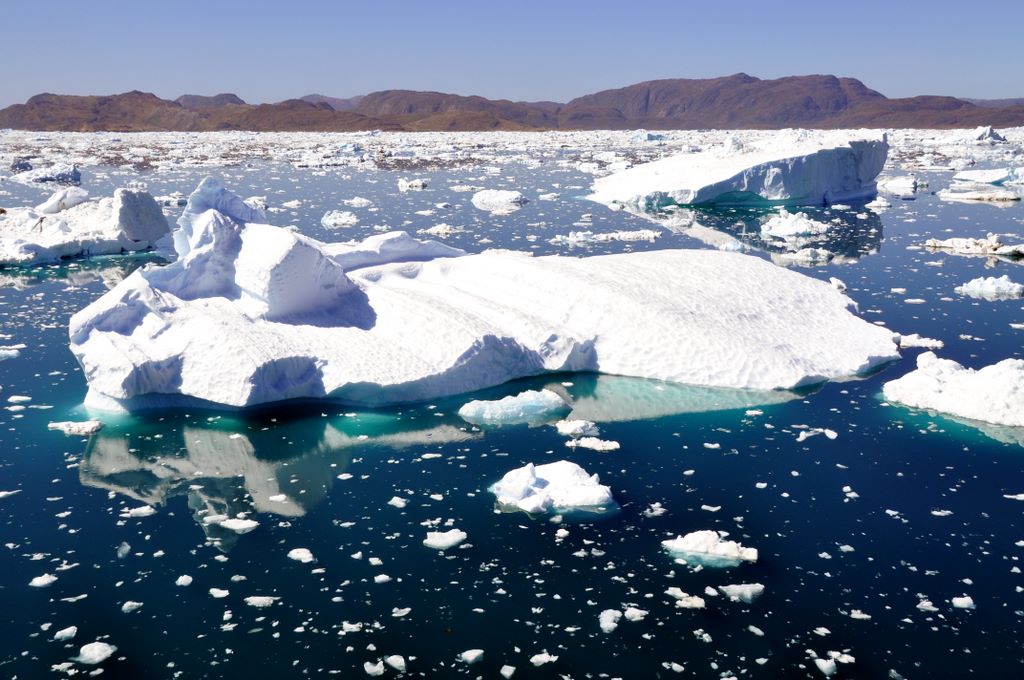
(555,50)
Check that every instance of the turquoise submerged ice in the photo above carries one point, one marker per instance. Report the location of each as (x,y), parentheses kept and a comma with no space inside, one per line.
(251,314)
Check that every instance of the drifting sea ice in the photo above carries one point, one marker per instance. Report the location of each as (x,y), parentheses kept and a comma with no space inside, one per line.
(991,288)
(444,540)
(708,548)
(993,394)
(525,407)
(560,486)
(787,225)
(499,200)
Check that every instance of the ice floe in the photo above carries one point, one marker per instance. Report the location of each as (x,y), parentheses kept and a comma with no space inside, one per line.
(499,200)
(990,245)
(708,548)
(444,540)
(993,394)
(560,486)
(251,313)
(793,167)
(525,407)
(77,428)
(95,653)
(992,288)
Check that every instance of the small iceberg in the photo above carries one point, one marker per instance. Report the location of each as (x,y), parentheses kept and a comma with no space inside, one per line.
(708,548)
(992,288)
(793,167)
(553,487)
(525,407)
(499,200)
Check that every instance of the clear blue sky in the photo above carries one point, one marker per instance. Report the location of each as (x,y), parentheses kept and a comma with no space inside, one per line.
(522,49)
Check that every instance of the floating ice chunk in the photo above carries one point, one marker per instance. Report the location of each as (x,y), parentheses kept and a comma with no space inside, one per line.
(58,173)
(609,620)
(499,200)
(416,184)
(397,662)
(685,600)
(183,580)
(525,407)
(995,176)
(914,340)
(339,218)
(993,394)
(927,606)
(561,486)
(859,615)
(507,671)
(990,245)
(62,200)
(130,221)
(397,502)
(141,511)
(166,336)
(580,238)
(301,555)
(358,202)
(878,204)
(577,428)
(95,653)
(992,288)
(791,168)
(994,194)
(542,658)
(826,666)
(787,225)
(130,606)
(373,669)
(471,656)
(77,429)
(743,592)
(634,614)
(43,581)
(261,601)
(65,633)
(218,593)
(902,186)
(443,540)
(963,602)
(813,431)
(807,257)
(593,443)
(710,549)
(239,526)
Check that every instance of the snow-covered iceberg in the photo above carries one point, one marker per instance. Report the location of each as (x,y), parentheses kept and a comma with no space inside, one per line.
(992,288)
(560,487)
(993,394)
(793,167)
(250,314)
(708,548)
(69,225)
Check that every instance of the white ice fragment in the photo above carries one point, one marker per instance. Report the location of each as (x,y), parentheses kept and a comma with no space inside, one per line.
(709,548)
(528,406)
(742,592)
(786,225)
(183,580)
(335,219)
(95,653)
(826,666)
(577,428)
(471,656)
(239,526)
(444,540)
(130,606)
(77,429)
(993,394)
(542,658)
(499,201)
(65,633)
(397,662)
(907,341)
(261,601)
(963,602)
(301,555)
(373,669)
(141,511)
(593,443)
(992,288)
(218,593)
(560,486)
(398,502)
(43,581)
(685,600)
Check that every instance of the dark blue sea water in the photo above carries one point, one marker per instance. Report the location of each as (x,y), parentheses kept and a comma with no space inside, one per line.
(926,519)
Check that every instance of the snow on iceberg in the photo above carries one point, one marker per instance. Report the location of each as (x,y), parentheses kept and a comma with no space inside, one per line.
(709,548)
(68,225)
(251,314)
(560,487)
(992,288)
(793,167)
(525,407)
(993,394)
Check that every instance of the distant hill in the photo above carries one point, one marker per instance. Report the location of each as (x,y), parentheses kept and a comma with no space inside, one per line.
(730,102)
(997,103)
(334,102)
(198,101)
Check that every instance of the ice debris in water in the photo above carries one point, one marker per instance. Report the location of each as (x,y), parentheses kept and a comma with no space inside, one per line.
(78,429)
(560,486)
(499,200)
(577,428)
(709,548)
(743,592)
(787,225)
(991,288)
(593,443)
(443,540)
(300,555)
(95,653)
(993,394)
(528,406)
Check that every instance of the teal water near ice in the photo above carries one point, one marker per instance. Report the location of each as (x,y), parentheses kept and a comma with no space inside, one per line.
(926,519)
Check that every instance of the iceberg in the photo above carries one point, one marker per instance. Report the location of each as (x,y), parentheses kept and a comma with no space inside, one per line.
(991,245)
(525,407)
(560,487)
(68,225)
(709,548)
(499,200)
(992,288)
(252,314)
(993,394)
(787,225)
(793,167)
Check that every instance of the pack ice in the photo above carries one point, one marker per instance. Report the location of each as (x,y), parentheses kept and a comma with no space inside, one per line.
(793,167)
(70,225)
(251,313)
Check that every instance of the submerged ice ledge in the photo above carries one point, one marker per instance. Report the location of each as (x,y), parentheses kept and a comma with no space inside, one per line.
(251,314)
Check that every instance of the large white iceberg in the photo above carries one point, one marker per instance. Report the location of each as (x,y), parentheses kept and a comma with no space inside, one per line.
(560,486)
(68,225)
(250,313)
(793,167)
(993,394)
(992,288)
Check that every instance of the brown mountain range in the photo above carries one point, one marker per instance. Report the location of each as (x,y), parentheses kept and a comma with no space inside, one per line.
(737,101)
